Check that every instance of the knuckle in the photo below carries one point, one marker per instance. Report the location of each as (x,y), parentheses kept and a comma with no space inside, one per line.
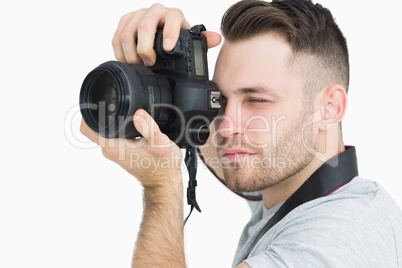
(145,52)
(176,13)
(139,14)
(158,6)
(126,18)
(115,42)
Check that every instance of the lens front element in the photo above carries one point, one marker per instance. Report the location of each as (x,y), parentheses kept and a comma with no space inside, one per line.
(104,93)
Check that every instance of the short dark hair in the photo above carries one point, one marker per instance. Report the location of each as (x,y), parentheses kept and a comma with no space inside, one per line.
(319,48)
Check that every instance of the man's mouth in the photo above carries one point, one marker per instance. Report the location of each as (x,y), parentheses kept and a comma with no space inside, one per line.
(233,154)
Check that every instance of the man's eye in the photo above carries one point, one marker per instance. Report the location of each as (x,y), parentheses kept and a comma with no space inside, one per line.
(258,100)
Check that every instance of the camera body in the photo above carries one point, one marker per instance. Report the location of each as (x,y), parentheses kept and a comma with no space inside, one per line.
(176,92)
(197,98)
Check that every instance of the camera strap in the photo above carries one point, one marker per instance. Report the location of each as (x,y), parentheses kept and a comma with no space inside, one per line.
(191,163)
(197,29)
(329,177)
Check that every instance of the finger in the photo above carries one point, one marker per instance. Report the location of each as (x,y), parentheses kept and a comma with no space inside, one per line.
(146,33)
(128,39)
(148,128)
(94,137)
(116,42)
(118,51)
(213,38)
(171,31)
(88,132)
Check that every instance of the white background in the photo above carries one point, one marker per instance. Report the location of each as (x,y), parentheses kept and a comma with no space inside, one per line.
(65,206)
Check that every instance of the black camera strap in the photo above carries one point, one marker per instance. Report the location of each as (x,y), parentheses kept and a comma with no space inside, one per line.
(332,175)
(191,163)
(197,29)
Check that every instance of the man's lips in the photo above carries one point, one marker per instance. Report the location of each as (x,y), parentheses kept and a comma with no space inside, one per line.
(232,153)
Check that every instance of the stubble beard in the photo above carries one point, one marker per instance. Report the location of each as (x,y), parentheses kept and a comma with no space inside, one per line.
(288,155)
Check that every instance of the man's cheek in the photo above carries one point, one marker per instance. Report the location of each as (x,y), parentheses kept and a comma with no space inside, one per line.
(262,132)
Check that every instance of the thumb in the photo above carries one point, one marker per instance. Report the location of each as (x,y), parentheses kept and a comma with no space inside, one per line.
(147,127)
(213,38)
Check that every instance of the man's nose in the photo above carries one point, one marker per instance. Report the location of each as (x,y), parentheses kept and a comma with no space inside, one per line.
(229,122)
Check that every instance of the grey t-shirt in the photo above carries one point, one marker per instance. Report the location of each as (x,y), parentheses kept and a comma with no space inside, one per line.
(359,225)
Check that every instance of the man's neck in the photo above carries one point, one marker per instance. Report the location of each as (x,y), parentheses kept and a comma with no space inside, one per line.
(281,191)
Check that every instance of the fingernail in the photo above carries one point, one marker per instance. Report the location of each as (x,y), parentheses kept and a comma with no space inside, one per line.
(167,44)
(148,62)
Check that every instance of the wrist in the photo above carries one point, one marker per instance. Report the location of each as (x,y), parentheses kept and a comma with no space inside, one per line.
(169,182)
(166,190)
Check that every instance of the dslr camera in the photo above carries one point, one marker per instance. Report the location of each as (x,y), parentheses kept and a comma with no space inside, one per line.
(176,92)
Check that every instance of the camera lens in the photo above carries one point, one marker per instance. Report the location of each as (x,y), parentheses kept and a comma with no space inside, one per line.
(104,93)
(113,91)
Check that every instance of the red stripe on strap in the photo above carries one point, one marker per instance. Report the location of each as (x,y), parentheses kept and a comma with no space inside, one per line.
(337,189)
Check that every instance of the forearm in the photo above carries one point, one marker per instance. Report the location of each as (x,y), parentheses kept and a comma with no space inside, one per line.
(161,238)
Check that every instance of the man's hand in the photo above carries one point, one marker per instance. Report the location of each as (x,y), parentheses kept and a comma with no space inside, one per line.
(134,38)
(154,159)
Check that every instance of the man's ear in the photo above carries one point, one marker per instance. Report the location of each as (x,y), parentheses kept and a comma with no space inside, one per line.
(333,106)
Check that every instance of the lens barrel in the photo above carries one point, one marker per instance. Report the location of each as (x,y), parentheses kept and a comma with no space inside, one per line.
(112,92)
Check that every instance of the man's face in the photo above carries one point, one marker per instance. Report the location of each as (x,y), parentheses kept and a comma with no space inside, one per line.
(259,131)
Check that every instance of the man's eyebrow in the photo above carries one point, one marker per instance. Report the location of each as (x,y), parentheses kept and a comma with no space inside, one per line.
(248,90)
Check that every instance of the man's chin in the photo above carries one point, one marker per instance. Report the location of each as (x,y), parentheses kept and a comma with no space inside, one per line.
(240,180)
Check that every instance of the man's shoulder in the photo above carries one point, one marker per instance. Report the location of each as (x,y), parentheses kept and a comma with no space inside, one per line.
(357,224)
(360,218)
(359,213)
(359,200)
(360,195)
(360,203)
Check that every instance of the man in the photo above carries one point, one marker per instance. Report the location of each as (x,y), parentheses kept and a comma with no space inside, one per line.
(284,71)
